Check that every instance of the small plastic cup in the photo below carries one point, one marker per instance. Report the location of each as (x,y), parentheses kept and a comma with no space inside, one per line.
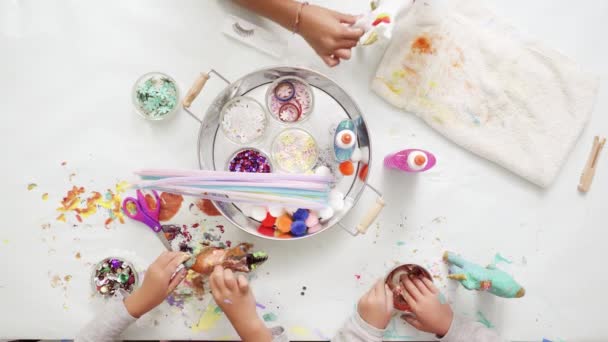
(158,99)
(268,161)
(286,155)
(288,103)
(99,265)
(247,124)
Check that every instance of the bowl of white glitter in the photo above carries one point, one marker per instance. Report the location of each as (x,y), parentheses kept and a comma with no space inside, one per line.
(243,120)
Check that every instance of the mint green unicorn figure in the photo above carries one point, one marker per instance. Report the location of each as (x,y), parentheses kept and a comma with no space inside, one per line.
(475,277)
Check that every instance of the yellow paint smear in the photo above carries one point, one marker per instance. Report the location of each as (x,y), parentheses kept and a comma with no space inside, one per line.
(300,331)
(208,320)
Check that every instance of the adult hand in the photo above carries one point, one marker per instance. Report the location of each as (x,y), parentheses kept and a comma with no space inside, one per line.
(329,33)
(157,284)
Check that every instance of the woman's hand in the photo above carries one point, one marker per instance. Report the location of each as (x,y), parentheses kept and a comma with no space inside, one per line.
(430,314)
(376,306)
(329,33)
(233,295)
(158,283)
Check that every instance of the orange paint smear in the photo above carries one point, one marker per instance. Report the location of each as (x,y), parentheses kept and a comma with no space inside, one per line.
(90,206)
(422,45)
(74,202)
(169,205)
(207,207)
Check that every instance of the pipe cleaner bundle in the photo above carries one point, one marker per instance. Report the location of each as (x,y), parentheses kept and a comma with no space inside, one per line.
(264,189)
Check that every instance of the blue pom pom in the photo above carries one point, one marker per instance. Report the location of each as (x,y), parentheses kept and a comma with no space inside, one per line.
(298,228)
(300,215)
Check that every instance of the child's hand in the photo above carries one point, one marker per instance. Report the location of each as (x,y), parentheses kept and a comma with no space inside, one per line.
(233,295)
(423,298)
(376,306)
(157,284)
(328,33)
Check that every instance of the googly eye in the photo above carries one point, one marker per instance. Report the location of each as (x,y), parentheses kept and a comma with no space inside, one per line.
(345,139)
(417,160)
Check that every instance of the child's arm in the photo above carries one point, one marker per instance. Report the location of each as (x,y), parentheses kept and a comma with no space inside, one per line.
(326,31)
(372,316)
(118,315)
(433,316)
(233,295)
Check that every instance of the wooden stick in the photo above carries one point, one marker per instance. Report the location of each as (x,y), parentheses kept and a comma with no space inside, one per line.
(589,170)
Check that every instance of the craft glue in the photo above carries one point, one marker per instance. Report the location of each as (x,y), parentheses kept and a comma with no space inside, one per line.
(410,160)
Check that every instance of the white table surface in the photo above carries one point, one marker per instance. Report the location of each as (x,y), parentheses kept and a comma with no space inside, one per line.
(67,68)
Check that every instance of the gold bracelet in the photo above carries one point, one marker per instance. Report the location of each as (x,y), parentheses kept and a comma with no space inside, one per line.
(298,16)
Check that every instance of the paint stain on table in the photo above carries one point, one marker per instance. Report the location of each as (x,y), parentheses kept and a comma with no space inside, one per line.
(209,319)
(207,207)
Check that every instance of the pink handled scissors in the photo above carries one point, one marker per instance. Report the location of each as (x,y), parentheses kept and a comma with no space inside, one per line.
(138,209)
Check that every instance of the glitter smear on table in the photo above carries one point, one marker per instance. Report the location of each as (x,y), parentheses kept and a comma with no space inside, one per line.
(295,151)
(207,207)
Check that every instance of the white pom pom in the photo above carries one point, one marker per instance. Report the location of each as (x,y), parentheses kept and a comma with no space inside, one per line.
(335,194)
(258,213)
(322,171)
(276,211)
(364,155)
(356,156)
(336,204)
(326,213)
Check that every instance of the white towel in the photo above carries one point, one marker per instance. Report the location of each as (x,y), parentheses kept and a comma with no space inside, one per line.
(471,77)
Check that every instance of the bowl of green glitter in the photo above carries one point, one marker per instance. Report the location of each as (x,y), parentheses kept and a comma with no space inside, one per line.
(155,96)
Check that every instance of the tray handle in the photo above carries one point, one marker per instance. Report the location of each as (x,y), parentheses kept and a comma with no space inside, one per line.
(196,89)
(370,216)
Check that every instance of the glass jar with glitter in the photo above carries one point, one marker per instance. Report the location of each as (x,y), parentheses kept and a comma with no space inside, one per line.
(290,100)
(243,120)
(112,275)
(249,160)
(155,96)
(294,150)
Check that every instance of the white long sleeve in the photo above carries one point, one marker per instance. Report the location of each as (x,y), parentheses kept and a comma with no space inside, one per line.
(355,329)
(468,331)
(114,319)
(107,325)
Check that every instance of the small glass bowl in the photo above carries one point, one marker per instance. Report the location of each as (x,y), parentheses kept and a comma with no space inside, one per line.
(159,101)
(245,102)
(277,144)
(94,278)
(251,149)
(304,115)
